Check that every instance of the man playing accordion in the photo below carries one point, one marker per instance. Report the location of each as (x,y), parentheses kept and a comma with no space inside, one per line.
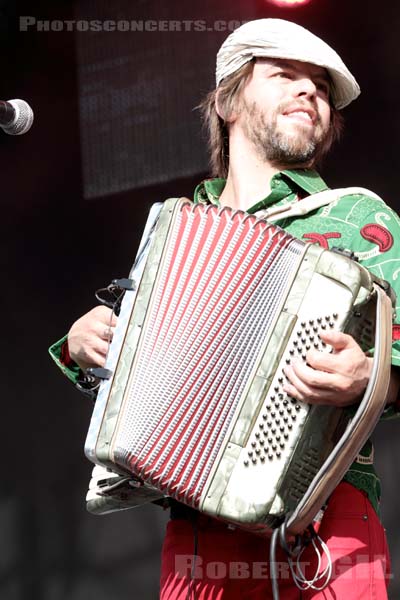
(274,114)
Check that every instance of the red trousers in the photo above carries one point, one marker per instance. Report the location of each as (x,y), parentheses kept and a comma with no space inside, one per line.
(231,564)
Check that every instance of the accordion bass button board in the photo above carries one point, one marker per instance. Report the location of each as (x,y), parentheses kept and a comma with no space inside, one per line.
(195,409)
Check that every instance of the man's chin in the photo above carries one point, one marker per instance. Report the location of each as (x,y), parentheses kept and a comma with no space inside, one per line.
(298,151)
(294,152)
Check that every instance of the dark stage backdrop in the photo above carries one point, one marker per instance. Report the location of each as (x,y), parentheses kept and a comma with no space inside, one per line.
(75,193)
(136,86)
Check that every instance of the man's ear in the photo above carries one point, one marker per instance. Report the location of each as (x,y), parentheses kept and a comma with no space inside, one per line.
(218,105)
(221,112)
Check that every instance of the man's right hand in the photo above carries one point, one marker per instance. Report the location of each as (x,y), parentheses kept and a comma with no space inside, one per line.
(89,337)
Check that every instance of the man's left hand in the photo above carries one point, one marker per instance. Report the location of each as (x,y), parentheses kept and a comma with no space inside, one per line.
(338,378)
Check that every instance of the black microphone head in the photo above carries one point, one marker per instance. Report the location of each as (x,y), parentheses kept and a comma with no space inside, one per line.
(23,119)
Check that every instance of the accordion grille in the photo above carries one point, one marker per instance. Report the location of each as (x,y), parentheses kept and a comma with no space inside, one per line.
(220,286)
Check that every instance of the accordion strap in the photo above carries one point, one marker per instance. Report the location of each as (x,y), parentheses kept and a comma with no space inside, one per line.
(310,203)
(361,426)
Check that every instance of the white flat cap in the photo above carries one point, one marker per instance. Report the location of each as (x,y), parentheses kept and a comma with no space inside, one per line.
(276,38)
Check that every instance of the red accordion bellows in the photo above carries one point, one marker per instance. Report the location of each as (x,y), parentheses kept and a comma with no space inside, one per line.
(217,291)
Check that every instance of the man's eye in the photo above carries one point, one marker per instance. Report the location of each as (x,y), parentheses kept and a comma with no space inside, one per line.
(323,88)
(284,75)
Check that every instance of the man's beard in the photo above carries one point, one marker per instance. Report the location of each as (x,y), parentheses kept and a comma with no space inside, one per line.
(280,147)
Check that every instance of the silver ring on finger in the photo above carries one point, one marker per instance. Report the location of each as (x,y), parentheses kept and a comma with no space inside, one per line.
(108,333)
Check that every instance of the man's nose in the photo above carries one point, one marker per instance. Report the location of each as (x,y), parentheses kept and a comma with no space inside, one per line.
(305,86)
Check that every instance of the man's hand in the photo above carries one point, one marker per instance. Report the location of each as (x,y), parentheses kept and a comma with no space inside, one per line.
(89,337)
(338,378)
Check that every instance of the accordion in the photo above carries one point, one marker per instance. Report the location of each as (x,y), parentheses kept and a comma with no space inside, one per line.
(194,407)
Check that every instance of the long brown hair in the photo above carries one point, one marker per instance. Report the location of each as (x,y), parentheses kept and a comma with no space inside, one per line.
(216,128)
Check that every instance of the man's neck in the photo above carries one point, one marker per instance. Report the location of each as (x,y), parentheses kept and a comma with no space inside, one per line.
(249,177)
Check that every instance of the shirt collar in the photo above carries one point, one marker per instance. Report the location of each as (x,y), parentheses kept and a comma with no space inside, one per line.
(303,182)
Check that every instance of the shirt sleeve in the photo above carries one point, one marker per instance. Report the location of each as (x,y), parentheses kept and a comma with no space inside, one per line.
(60,354)
(376,244)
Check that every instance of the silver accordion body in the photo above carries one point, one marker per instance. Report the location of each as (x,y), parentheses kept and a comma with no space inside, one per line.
(195,408)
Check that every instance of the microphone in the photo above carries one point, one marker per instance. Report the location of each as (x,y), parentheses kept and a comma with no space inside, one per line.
(16,116)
